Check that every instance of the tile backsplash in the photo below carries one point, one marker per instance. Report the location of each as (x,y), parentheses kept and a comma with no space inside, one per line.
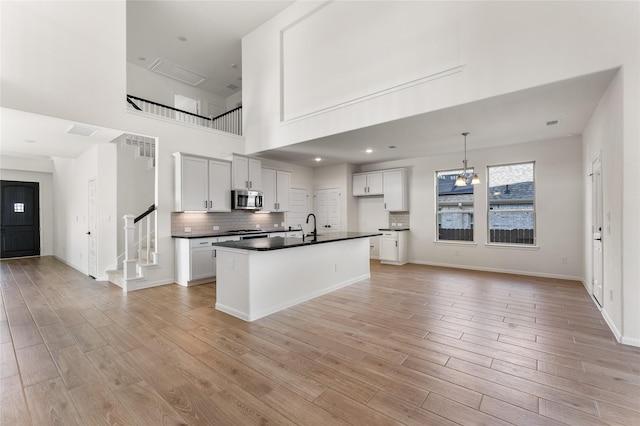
(399,217)
(204,222)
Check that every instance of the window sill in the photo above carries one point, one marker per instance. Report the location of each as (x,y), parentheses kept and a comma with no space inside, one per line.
(512,246)
(455,243)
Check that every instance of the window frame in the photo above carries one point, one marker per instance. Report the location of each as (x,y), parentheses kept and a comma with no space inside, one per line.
(473,219)
(534,244)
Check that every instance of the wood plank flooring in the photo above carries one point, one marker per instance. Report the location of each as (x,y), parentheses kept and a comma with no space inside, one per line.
(413,345)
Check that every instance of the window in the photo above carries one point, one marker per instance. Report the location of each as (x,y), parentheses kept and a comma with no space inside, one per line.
(511,215)
(454,207)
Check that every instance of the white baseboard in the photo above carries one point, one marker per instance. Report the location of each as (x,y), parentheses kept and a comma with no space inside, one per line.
(143,283)
(499,270)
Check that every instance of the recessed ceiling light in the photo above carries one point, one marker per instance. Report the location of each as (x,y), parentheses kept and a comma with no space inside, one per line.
(318,159)
(368,150)
(234,66)
(392,147)
(182,38)
(29,141)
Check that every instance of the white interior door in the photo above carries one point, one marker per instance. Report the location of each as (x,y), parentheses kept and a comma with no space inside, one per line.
(328,210)
(91,233)
(597,272)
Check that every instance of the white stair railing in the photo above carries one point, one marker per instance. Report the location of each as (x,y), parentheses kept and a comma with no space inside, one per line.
(139,240)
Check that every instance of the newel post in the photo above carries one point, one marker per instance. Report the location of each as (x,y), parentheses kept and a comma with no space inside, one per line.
(129,263)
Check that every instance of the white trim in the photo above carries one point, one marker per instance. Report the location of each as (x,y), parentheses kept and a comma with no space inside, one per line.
(373,95)
(499,270)
(612,325)
(512,246)
(455,243)
(133,285)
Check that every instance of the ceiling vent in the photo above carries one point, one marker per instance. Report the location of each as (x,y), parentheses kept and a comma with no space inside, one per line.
(76,129)
(552,122)
(232,87)
(176,72)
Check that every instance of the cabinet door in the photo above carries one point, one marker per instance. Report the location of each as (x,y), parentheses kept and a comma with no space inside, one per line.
(203,263)
(240,172)
(395,191)
(283,191)
(268,189)
(194,185)
(254,174)
(219,186)
(360,184)
(389,249)
(374,183)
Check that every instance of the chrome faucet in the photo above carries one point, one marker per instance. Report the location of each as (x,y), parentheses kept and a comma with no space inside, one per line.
(315,231)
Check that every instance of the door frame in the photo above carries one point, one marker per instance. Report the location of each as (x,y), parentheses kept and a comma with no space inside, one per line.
(597,221)
(92,228)
(37,219)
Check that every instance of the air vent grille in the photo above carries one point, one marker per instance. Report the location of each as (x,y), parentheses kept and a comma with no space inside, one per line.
(232,87)
(176,72)
(77,129)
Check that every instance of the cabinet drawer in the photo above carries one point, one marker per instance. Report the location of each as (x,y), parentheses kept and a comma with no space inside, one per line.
(202,242)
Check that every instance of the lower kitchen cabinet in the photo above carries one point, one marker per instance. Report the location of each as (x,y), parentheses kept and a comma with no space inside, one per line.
(394,247)
(196,259)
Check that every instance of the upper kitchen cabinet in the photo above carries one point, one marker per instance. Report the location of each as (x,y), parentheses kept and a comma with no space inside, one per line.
(276,189)
(247,172)
(396,190)
(370,183)
(202,184)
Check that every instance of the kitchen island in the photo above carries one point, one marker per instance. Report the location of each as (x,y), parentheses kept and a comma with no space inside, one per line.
(258,277)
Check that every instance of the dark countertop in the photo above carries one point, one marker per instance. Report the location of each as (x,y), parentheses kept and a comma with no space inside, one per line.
(393,229)
(227,233)
(277,243)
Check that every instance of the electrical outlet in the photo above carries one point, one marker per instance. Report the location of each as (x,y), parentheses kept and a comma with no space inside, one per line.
(457,253)
(187,229)
(399,224)
(216,228)
(257,226)
(275,225)
(393,224)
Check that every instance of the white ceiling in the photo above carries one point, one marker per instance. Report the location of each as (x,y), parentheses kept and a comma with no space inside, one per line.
(213,32)
(26,134)
(504,120)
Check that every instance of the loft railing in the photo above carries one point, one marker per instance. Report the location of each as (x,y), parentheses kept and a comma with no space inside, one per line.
(229,122)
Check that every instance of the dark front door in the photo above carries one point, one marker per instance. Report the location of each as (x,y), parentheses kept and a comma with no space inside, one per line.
(20,222)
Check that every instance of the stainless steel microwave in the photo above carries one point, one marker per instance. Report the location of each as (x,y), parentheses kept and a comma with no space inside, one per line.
(246,199)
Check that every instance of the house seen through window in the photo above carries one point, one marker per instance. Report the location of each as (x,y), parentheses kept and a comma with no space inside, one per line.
(511,215)
(454,207)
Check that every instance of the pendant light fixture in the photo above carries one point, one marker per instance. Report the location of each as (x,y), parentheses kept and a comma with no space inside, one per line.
(462,178)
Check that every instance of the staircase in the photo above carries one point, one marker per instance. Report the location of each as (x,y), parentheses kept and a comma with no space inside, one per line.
(140,254)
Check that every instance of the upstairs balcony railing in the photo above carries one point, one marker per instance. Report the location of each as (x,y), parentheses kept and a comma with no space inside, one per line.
(229,122)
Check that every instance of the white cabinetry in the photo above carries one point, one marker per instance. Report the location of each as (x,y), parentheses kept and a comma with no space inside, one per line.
(396,190)
(393,247)
(202,184)
(276,190)
(247,172)
(196,259)
(367,184)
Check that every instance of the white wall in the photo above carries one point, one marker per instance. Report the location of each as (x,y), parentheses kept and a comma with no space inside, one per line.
(45,179)
(474,36)
(603,138)
(559,215)
(155,87)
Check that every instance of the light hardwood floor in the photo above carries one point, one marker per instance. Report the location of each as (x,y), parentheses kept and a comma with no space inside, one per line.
(412,345)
